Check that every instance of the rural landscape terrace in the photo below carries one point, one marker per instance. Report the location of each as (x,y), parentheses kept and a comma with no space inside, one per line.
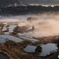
(33,33)
(29,29)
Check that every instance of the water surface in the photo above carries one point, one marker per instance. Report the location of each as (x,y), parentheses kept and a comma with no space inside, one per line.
(47,49)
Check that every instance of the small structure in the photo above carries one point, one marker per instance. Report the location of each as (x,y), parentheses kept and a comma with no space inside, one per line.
(31,18)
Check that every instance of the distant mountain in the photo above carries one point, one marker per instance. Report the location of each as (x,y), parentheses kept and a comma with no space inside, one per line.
(41,1)
(18,2)
(8,2)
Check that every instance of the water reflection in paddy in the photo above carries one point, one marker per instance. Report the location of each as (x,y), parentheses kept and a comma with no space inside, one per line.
(30,49)
(46,50)
(4,37)
(2,40)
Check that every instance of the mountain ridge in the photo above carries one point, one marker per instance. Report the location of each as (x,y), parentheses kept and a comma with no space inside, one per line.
(26,2)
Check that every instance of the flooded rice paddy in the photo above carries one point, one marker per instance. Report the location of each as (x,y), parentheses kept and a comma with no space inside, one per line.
(29,27)
(46,50)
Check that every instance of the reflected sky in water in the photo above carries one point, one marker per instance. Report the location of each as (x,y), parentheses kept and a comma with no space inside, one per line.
(47,49)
